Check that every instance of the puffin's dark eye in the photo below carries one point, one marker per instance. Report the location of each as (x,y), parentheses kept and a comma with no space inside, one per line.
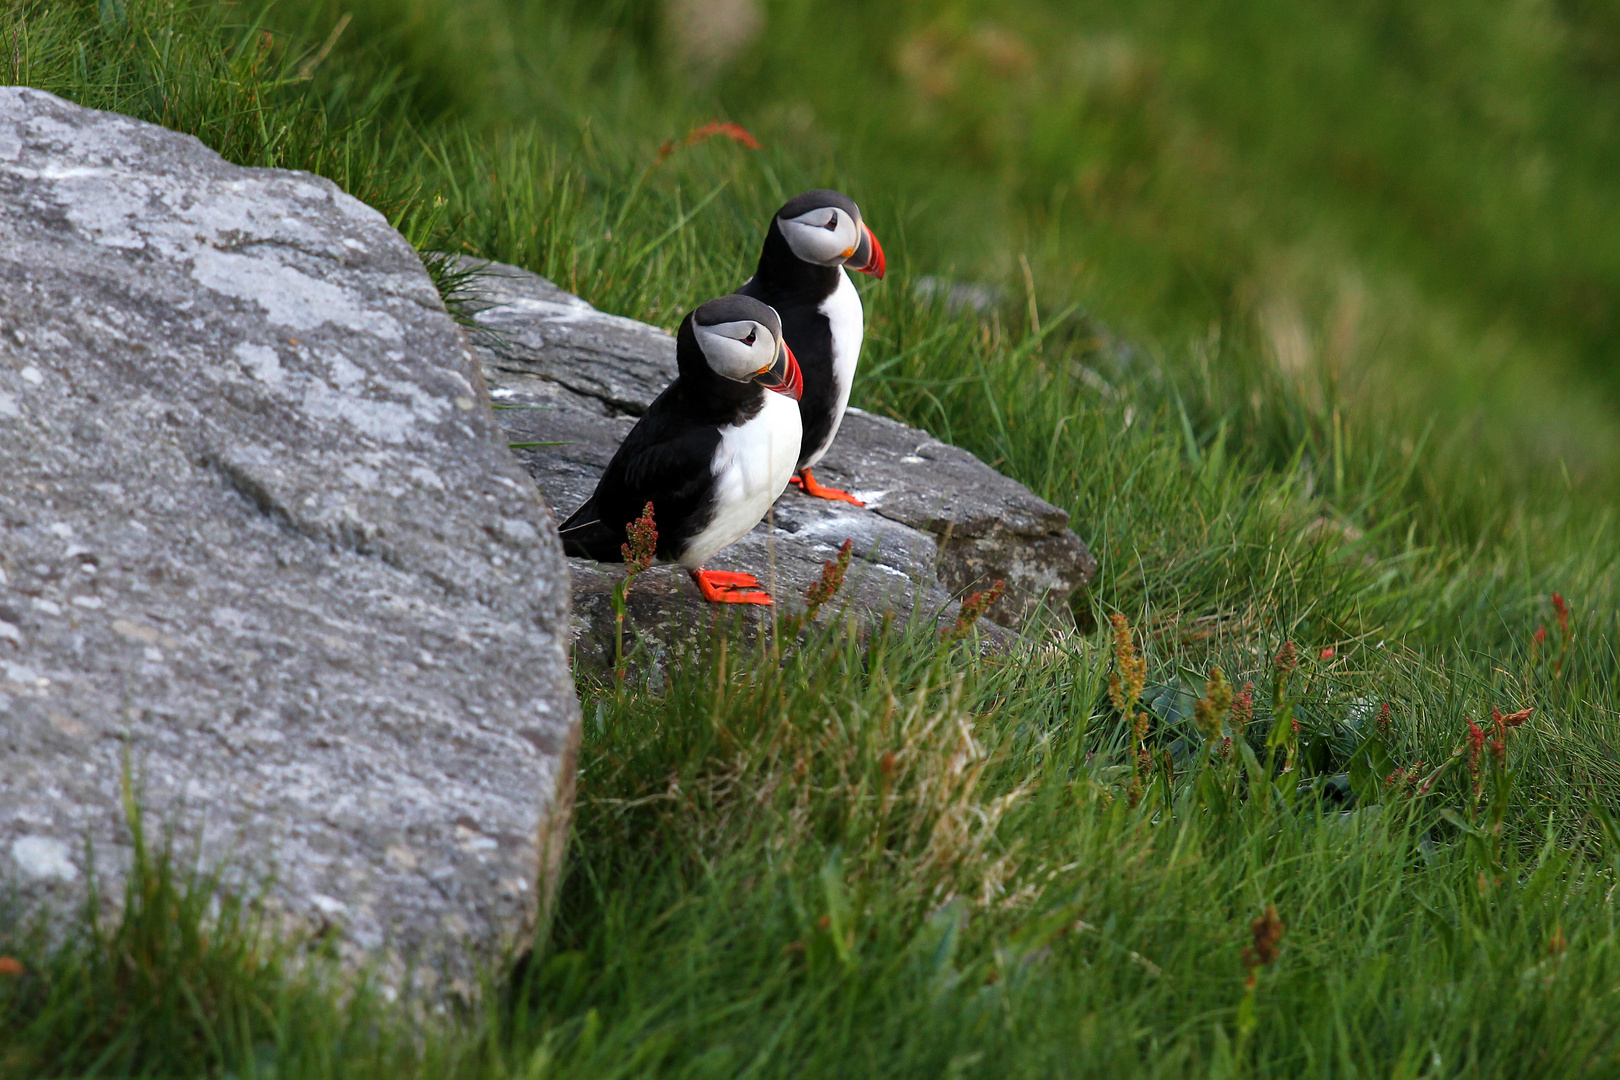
(749,340)
(832,222)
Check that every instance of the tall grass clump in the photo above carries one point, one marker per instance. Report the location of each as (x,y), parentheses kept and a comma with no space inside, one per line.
(178,974)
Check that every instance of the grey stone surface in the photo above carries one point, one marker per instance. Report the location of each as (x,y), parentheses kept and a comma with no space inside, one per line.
(261,539)
(938,522)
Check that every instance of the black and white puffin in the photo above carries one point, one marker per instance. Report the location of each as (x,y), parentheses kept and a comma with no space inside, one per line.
(801,275)
(712,453)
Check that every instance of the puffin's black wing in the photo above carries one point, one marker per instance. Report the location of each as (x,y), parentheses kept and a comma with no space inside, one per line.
(664,461)
(585,537)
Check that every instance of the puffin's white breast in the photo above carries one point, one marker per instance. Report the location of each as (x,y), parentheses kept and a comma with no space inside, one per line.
(844,316)
(751,468)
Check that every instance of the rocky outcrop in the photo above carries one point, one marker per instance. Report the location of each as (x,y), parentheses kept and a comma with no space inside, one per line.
(569,381)
(261,543)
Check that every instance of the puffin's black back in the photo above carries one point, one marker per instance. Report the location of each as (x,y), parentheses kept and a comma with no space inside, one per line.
(666,460)
(797,289)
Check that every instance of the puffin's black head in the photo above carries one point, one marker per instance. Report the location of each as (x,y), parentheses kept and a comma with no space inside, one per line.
(741,340)
(825,228)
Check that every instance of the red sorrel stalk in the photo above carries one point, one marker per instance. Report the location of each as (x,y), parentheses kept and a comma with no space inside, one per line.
(972,608)
(832,579)
(638,552)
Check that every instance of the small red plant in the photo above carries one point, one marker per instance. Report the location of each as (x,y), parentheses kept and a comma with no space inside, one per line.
(1476,741)
(1327,653)
(1502,725)
(1382,723)
(643,543)
(1265,946)
(1139,733)
(1266,931)
(1405,779)
(1242,708)
(1210,711)
(1125,685)
(1129,676)
(735,132)
(972,608)
(1511,720)
(1286,661)
(11,967)
(832,579)
(638,551)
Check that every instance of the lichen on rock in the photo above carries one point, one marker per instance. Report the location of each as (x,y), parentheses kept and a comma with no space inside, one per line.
(261,541)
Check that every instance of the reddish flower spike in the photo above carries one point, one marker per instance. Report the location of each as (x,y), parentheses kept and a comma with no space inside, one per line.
(972,608)
(1286,659)
(735,132)
(1476,742)
(1267,932)
(1513,720)
(643,542)
(832,579)
(1243,707)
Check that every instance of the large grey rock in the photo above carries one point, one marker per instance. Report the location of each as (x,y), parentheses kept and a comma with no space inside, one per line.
(569,381)
(259,533)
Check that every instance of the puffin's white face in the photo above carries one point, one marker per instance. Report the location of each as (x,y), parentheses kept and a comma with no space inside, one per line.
(738,351)
(826,236)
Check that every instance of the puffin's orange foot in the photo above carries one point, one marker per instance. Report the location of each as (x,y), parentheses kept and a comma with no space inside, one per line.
(730,577)
(803,480)
(728,587)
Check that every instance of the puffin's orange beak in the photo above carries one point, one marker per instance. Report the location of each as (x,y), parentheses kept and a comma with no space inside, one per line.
(868,255)
(784,375)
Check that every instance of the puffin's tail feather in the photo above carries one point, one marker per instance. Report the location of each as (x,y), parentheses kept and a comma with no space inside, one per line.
(585,537)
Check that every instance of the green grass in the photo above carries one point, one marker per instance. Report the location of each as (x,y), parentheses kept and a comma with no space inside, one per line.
(1310,370)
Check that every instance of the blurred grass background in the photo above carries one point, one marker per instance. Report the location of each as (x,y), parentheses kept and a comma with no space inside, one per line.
(1414,201)
(1326,307)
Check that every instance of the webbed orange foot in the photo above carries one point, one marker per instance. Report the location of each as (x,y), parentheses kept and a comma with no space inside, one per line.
(807,483)
(730,587)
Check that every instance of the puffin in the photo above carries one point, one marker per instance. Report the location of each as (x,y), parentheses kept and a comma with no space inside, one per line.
(801,274)
(712,452)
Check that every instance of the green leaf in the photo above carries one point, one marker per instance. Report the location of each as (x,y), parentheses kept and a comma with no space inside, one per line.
(1550,871)
(1256,772)
(1369,766)
(840,919)
(1442,927)
(1282,727)
(1451,815)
